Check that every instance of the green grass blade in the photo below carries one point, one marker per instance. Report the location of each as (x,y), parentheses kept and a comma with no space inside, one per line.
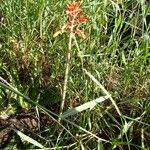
(104,90)
(88,105)
(29,139)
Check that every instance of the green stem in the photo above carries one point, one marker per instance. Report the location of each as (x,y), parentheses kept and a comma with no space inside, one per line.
(66,71)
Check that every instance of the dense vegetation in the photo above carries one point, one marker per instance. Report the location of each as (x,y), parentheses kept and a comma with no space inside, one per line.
(111,63)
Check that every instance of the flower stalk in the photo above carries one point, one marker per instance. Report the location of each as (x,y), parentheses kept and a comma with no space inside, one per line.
(66,71)
(75,17)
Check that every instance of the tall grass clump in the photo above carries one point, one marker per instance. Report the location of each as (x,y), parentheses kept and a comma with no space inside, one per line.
(75,75)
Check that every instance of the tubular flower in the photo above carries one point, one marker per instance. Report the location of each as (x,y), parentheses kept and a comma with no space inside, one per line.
(75,17)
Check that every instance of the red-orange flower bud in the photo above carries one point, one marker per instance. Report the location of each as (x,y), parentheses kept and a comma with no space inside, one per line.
(83,19)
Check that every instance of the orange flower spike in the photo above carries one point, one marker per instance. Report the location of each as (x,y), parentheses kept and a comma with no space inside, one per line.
(73,6)
(75,17)
(73,9)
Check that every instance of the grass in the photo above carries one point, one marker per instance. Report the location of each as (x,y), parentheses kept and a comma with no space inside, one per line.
(113,60)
